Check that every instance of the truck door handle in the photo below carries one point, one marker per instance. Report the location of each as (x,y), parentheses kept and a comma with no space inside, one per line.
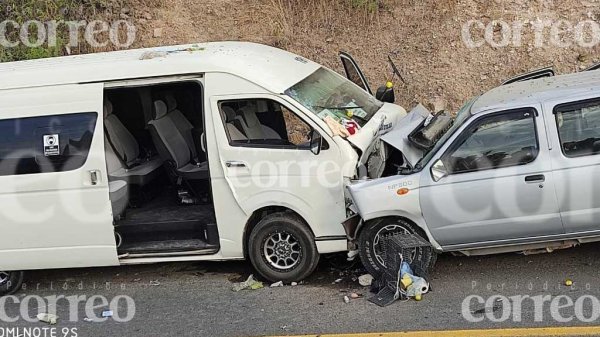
(234,163)
(536,178)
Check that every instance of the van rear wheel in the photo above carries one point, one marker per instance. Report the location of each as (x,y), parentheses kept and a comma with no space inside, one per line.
(10,282)
(282,248)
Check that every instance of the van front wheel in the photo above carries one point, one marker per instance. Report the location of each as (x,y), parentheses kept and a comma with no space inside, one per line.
(282,248)
(10,282)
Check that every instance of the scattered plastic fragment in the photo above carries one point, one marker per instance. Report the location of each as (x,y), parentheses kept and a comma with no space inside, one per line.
(568,282)
(107,313)
(346,299)
(250,283)
(415,285)
(355,295)
(154,283)
(277,284)
(47,318)
(365,280)
(294,284)
(256,285)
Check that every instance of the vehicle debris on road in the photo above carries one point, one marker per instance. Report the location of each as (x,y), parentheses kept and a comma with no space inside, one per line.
(365,280)
(250,283)
(399,281)
(276,284)
(47,318)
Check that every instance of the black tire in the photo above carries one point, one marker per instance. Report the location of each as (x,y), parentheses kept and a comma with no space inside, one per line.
(11,283)
(264,237)
(368,244)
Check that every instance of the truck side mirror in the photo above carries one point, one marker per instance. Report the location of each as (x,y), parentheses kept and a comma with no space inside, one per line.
(316,142)
(438,170)
(385,93)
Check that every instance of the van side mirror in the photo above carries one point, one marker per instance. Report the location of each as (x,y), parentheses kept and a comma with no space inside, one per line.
(438,170)
(385,93)
(316,142)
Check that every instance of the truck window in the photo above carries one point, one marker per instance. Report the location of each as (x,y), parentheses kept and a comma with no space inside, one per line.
(579,128)
(263,123)
(503,140)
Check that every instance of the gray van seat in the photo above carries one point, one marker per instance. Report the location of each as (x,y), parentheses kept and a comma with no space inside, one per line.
(126,151)
(230,122)
(119,196)
(118,189)
(182,123)
(252,125)
(172,146)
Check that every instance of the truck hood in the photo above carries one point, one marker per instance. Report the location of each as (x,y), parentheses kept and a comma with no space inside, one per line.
(398,136)
(392,125)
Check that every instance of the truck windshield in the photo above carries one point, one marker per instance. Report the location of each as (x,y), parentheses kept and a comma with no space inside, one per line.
(326,93)
(461,117)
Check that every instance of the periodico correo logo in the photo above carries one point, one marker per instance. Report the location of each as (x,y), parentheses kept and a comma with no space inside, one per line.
(95,308)
(97,33)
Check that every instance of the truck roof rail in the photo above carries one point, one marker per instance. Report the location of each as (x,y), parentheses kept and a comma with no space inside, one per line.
(540,73)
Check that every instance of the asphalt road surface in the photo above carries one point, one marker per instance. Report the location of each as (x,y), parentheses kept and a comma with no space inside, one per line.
(196,299)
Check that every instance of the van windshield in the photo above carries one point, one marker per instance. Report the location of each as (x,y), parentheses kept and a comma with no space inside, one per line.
(326,93)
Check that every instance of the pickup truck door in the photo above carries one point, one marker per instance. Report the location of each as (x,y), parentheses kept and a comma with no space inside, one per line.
(575,133)
(55,210)
(500,187)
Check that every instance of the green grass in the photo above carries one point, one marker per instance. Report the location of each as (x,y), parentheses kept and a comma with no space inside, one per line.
(21,11)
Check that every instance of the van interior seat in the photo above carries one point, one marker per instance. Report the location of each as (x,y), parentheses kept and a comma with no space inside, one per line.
(234,127)
(182,123)
(253,128)
(119,196)
(126,150)
(118,189)
(172,146)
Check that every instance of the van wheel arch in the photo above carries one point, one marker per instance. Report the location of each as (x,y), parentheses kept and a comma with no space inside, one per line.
(260,214)
(280,245)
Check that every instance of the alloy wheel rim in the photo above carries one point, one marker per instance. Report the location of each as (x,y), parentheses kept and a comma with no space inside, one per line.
(4,276)
(282,251)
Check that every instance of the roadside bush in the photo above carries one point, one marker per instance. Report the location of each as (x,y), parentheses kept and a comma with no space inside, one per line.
(59,11)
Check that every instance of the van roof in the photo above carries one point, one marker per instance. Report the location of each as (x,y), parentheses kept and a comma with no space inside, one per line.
(271,68)
(538,91)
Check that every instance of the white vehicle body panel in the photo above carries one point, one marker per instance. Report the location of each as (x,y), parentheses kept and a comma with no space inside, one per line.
(60,220)
(57,220)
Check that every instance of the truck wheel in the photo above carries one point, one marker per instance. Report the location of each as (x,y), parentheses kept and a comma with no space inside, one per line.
(370,250)
(282,248)
(10,282)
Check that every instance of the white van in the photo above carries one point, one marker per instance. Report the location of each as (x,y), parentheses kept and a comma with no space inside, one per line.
(214,151)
